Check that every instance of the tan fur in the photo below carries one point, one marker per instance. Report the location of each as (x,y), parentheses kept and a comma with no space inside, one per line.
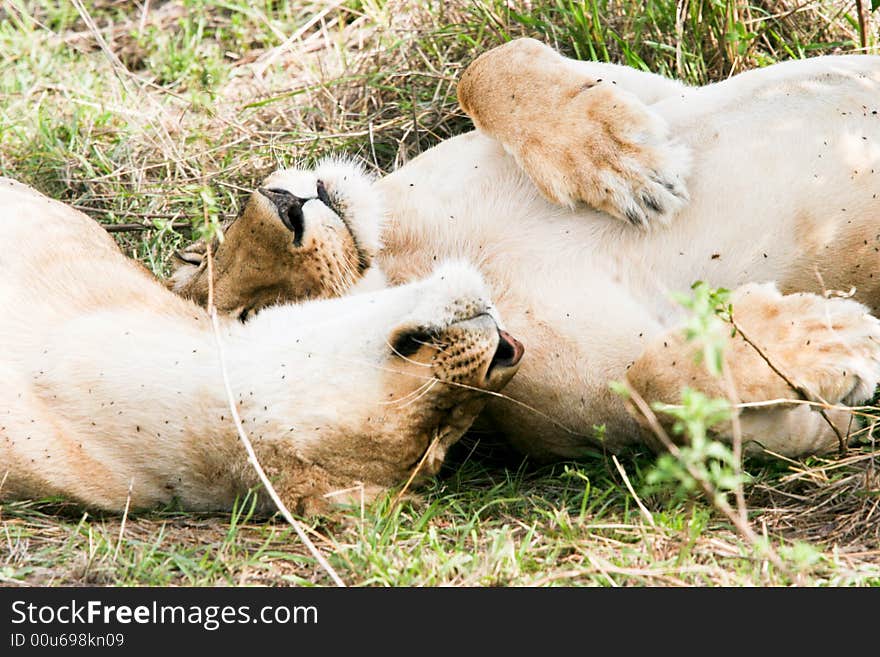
(838,254)
(620,161)
(256,245)
(783,192)
(829,347)
(112,385)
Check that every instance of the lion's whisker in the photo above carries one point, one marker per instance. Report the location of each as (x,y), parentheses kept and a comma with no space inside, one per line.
(412,393)
(408,360)
(541,414)
(425,389)
(492,393)
(441,347)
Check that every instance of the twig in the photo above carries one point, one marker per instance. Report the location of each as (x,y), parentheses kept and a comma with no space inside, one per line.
(249,448)
(632,492)
(681,11)
(802,402)
(801,390)
(863,32)
(870,473)
(115,64)
(736,425)
(131,228)
(145,10)
(742,524)
(415,471)
(124,518)
(600,568)
(252,457)
(129,213)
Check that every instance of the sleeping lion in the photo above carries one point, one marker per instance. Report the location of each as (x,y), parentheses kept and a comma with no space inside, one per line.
(586,195)
(114,390)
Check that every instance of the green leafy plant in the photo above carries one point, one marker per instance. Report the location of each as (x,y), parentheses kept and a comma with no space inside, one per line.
(208,227)
(702,463)
(710,311)
(710,460)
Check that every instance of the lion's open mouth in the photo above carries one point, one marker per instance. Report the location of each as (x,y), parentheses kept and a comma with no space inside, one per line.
(508,353)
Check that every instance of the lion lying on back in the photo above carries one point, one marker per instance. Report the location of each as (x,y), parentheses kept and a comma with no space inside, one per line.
(589,193)
(113,388)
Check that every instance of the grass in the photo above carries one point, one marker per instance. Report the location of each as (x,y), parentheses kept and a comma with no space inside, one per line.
(480,524)
(184,102)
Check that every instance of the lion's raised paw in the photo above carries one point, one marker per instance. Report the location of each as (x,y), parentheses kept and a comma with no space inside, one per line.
(580,139)
(628,167)
(786,348)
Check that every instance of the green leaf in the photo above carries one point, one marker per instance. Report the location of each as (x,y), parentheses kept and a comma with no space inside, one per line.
(619,388)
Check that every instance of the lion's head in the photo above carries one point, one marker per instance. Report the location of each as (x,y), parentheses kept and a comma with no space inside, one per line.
(303,234)
(385,380)
(390,377)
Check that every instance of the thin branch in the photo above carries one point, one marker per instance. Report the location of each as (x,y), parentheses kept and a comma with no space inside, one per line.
(629,487)
(742,524)
(863,32)
(801,390)
(124,518)
(249,448)
(128,213)
(415,471)
(734,398)
(131,228)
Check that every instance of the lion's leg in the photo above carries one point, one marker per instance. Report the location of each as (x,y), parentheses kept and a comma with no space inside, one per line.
(579,136)
(827,347)
(649,88)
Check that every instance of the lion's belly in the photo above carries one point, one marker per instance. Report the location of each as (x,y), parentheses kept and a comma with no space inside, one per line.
(571,309)
(790,196)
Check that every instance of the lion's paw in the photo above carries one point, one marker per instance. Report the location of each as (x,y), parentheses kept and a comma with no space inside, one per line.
(580,139)
(620,160)
(186,265)
(828,346)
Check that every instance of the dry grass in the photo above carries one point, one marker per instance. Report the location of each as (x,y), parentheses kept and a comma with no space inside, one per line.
(188,101)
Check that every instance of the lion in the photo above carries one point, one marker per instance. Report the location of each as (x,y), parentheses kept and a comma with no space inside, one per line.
(589,191)
(116,392)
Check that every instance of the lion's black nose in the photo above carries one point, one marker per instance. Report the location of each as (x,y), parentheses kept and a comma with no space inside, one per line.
(289,209)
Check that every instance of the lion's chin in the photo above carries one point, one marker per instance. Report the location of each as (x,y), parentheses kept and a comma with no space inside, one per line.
(448,431)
